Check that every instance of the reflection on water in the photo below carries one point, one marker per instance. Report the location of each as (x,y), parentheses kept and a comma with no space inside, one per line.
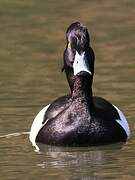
(78,161)
(32,40)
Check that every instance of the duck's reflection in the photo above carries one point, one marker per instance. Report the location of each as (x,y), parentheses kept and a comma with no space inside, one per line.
(81,162)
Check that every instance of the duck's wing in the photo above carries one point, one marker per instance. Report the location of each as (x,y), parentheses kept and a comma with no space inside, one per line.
(108,111)
(47,113)
(37,125)
(57,107)
(123,122)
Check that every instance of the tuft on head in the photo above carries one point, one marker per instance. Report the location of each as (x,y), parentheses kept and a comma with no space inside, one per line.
(77,37)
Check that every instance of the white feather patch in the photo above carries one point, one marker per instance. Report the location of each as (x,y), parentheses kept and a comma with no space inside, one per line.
(123,122)
(80,63)
(37,125)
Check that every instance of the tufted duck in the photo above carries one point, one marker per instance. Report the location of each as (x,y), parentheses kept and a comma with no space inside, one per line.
(79,119)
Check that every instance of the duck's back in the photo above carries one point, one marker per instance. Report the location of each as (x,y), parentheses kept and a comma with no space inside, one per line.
(76,126)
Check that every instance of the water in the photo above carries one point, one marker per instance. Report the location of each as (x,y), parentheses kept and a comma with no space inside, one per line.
(32,40)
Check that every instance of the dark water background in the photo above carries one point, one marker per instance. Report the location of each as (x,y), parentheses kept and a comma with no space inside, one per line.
(32,40)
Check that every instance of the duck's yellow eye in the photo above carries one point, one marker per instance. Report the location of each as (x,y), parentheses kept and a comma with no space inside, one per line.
(69,45)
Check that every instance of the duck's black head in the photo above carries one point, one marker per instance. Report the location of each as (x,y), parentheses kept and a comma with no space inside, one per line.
(77,37)
(78,42)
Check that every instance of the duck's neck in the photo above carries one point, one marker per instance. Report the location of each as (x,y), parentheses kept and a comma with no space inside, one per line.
(83,90)
(68,67)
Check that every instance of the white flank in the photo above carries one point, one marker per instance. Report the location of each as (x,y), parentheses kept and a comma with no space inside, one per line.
(123,122)
(36,126)
(80,63)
